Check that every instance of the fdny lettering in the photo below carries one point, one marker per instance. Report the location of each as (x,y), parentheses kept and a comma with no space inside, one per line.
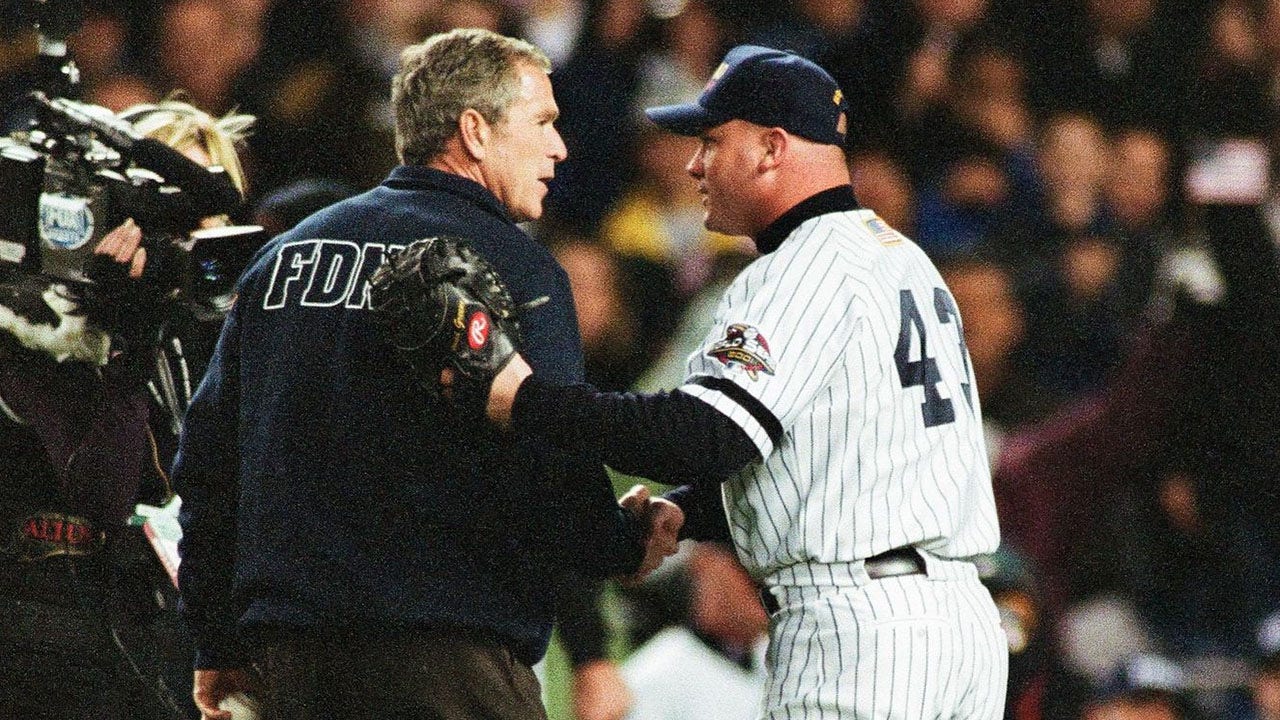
(324,273)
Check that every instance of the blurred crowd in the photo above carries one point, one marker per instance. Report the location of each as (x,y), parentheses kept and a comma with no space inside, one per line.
(1123,332)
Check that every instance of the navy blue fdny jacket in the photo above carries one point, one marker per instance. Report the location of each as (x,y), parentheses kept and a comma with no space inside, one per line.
(322,493)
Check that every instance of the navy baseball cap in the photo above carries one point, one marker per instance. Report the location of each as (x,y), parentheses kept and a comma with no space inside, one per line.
(767,87)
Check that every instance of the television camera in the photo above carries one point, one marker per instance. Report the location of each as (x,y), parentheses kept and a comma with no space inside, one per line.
(77,172)
(72,174)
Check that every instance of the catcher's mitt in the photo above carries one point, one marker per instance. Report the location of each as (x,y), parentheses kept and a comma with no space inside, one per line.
(443,305)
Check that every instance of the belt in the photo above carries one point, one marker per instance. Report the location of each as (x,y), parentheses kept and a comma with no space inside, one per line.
(890,563)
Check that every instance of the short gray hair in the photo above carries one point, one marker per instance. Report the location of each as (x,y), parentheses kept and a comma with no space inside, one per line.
(445,75)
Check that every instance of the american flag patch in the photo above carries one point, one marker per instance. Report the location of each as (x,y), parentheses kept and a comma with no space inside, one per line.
(885,234)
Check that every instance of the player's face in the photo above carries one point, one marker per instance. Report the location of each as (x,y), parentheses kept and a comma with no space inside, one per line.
(525,148)
(725,166)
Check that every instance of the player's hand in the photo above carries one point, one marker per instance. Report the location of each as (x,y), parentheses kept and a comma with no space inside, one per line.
(439,303)
(662,520)
(502,393)
(124,246)
(213,686)
(599,692)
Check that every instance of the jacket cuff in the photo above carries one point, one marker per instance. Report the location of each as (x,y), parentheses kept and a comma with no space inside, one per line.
(526,406)
(223,656)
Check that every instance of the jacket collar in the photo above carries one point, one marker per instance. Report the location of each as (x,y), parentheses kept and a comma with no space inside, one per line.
(836,199)
(418,177)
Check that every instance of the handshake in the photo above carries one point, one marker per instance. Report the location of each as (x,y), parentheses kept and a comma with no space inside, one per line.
(661,521)
(455,327)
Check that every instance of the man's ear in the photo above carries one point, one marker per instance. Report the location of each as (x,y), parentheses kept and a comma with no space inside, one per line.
(475,132)
(774,145)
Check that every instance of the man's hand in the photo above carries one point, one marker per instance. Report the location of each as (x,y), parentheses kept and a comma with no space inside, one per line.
(662,520)
(124,246)
(124,299)
(599,692)
(213,686)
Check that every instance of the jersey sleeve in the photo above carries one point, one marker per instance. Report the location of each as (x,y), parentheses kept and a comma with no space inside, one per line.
(778,334)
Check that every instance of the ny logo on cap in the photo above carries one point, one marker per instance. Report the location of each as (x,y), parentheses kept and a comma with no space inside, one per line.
(842,123)
(719,73)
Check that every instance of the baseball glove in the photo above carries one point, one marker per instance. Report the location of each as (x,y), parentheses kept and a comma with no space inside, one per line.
(443,305)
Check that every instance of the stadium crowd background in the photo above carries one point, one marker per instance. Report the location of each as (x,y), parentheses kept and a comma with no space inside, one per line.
(1122,334)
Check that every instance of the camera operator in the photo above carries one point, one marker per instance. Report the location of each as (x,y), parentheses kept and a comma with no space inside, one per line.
(87,628)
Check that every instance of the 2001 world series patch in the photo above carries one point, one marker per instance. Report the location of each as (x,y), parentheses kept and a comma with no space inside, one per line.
(743,347)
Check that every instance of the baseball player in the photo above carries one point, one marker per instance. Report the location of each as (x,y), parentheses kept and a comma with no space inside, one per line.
(829,424)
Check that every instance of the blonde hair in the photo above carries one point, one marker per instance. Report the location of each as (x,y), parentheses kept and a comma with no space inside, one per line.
(182,126)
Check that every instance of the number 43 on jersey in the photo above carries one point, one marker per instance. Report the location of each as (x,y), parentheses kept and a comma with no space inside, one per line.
(936,409)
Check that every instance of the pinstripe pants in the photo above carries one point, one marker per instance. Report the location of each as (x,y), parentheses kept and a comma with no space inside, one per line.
(899,648)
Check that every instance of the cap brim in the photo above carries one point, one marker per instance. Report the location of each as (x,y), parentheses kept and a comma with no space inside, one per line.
(688,119)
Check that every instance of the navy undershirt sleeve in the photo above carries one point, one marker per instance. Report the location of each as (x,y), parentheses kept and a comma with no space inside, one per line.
(704,515)
(670,437)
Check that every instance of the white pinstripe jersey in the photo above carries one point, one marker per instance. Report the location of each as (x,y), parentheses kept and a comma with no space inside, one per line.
(841,355)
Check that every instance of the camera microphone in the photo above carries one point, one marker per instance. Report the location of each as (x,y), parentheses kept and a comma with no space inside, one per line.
(207,191)
(210,191)
(60,111)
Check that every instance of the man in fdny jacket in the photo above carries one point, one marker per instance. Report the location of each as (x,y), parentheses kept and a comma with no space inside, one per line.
(352,548)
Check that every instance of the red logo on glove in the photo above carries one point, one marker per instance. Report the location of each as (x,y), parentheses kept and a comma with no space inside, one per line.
(478,330)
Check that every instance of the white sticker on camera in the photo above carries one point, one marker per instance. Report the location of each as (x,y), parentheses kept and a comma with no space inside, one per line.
(12,252)
(66,223)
